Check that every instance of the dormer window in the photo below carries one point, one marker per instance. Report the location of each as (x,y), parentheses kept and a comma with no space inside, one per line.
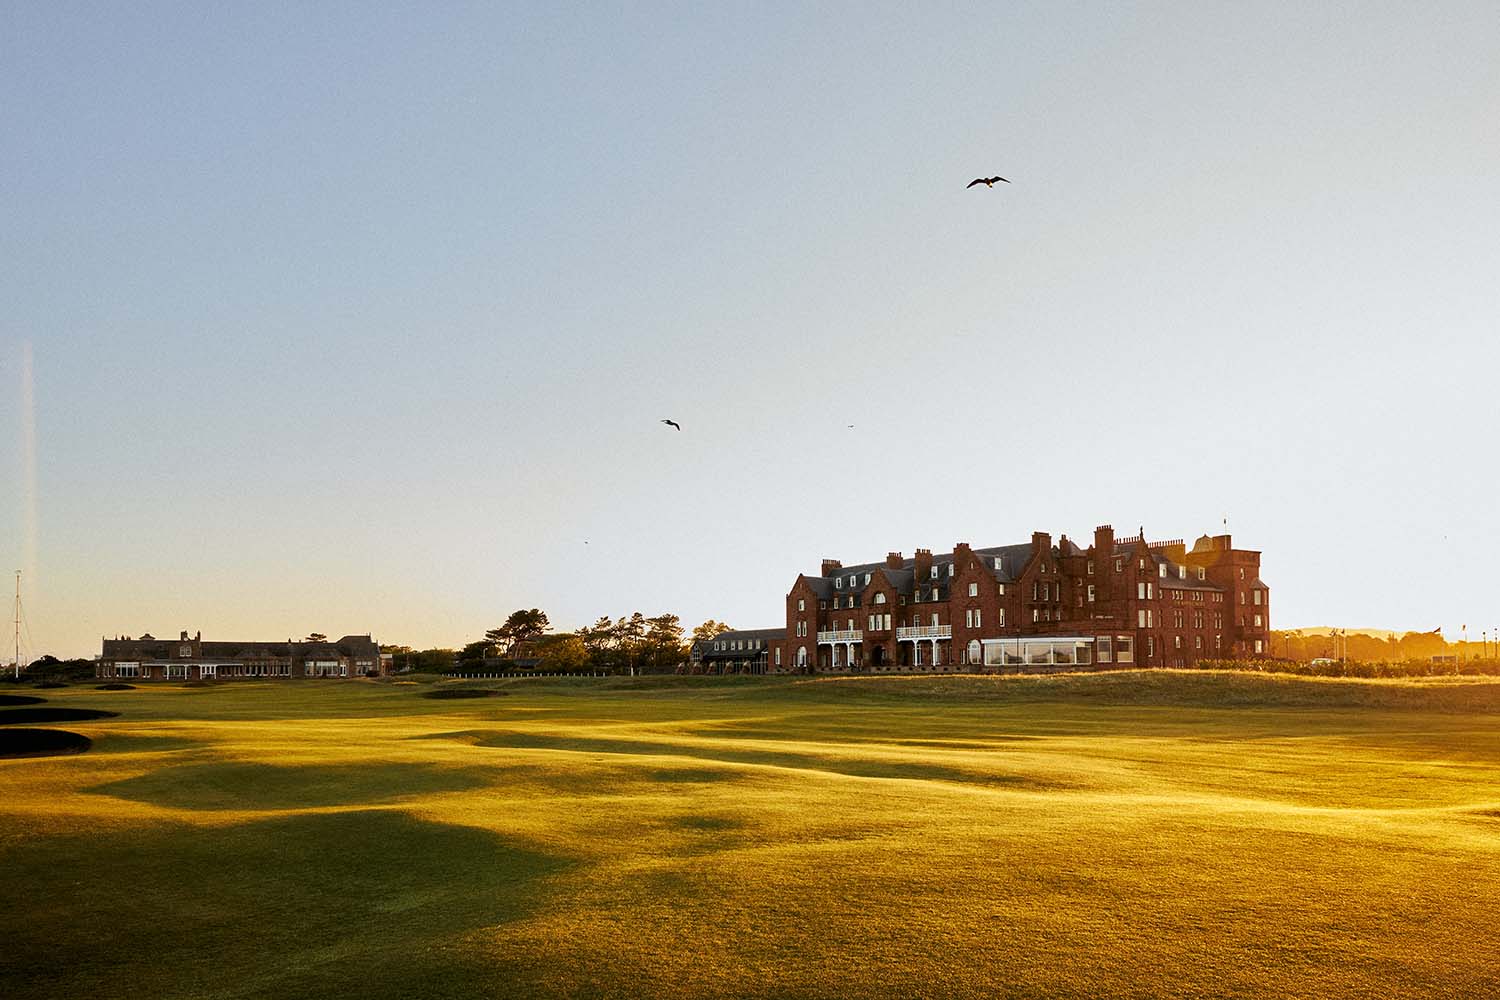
(950,569)
(185,650)
(867,579)
(997,563)
(1091,567)
(1161,571)
(933,572)
(1182,572)
(851,580)
(838,583)
(1200,572)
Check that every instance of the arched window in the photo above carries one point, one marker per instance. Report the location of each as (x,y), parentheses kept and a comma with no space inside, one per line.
(975,652)
(801,656)
(879,598)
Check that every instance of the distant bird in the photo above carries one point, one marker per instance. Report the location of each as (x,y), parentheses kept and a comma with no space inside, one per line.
(673,423)
(988,182)
(850,426)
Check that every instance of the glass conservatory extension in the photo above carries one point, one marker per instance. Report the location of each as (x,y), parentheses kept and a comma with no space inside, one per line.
(1059,651)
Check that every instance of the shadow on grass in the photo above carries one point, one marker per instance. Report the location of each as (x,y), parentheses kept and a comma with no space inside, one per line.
(41,742)
(235,785)
(115,742)
(365,904)
(20,699)
(11,716)
(869,767)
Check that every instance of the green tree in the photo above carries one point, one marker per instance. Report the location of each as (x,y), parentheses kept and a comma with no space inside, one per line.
(521,627)
(563,653)
(316,637)
(709,630)
(664,648)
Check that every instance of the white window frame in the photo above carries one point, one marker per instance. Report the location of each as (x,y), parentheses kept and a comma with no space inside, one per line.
(973,589)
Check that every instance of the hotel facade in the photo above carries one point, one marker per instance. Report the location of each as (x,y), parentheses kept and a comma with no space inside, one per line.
(190,658)
(1036,605)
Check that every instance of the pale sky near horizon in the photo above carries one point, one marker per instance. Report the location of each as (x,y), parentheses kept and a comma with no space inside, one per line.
(360,317)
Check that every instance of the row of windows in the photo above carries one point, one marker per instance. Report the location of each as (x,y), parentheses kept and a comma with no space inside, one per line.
(732,645)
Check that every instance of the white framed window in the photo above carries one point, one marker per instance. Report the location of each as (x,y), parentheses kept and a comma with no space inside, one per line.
(1201,572)
(950,569)
(1140,618)
(1182,572)
(838,583)
(879,599)
(1150,647)
(1001,589)
(934,619)
(1176,642)
(850,624)
(852,579)
(208,670)
(973,590)
(997,564)
(1091,593)
(1140,590)
(932,573)
(801,604)
(1161,571)
(969,618)
(1197,642)
(1242,572)
(1257,621)
(131,669)
(778,656)
(1036,615)
(1103,650)
(867,579)
(1002,617)
(1258,647)
(976,652)
(979,618)
(1091,567)
(1257,596)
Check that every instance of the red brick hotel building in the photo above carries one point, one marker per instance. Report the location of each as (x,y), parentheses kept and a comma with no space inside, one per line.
(1118,601)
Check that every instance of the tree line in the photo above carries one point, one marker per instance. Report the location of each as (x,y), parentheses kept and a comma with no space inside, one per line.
(630,644)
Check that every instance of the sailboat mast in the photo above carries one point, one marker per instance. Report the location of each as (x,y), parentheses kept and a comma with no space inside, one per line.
(18,624)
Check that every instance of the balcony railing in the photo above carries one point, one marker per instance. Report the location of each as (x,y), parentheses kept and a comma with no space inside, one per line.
(925,632)
(845,635)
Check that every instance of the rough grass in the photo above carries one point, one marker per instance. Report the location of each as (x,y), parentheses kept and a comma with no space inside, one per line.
(1141,835)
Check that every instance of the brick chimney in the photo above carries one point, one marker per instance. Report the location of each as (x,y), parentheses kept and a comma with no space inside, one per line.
(831,566)
(1104,541)
(923,566)
(893,560)
(961,555)
(1041,542)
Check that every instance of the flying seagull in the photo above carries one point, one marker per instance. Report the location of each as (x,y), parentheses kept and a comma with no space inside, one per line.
(988,182)
(673,423)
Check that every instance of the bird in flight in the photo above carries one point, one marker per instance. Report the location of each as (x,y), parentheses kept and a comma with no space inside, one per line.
(673,423)
(986,181)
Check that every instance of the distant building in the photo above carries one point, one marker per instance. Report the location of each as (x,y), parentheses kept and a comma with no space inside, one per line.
(743,651)
(1119,601)
(190,658)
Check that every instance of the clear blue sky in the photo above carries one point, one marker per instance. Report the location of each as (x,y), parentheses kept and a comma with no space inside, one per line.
(355,319)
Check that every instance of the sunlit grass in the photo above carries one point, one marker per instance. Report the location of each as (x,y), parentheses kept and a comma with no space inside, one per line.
(1133,835)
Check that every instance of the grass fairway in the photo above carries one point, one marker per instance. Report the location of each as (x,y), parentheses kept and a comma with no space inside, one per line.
(1147,834)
